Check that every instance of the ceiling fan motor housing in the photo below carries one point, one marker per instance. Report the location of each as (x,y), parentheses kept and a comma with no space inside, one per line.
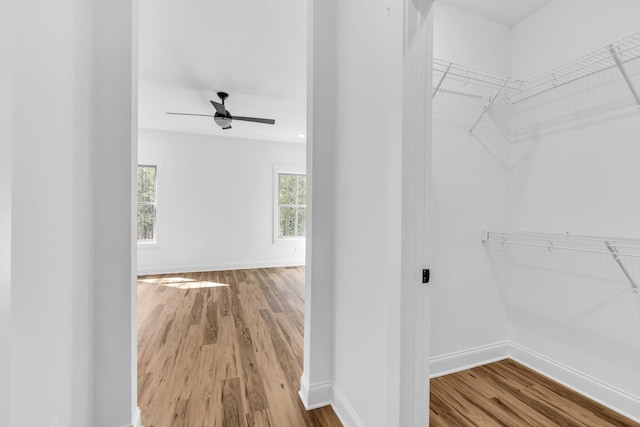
(223,117)
(222,121)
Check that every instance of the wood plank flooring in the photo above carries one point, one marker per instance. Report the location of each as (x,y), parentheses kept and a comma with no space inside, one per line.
(508,394)
(223,349)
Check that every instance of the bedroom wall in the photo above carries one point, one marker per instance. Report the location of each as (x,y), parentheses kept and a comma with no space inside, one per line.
(470,175)
(574,169)
(215,202)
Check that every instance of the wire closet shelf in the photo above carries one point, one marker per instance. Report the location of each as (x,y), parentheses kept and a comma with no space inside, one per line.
(513,90)
(616,247)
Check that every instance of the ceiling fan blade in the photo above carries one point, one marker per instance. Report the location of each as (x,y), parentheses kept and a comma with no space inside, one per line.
(190,114)
(255,119)
(228,127)
(219,108)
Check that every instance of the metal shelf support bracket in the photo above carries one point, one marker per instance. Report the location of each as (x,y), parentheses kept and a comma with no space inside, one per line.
(444,76)
(489,104)
(616,57)
(614,253)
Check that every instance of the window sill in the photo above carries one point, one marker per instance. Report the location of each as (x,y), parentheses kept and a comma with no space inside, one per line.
(148,244)
(289,240)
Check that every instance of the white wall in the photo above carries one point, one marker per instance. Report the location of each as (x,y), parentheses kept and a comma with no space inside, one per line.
(114,149)
(317,375)
(71,357)
(369,146)
(575,170)
(469,189)
(367,201)
(52,236)
(216,202)
(569,164)
(5,211)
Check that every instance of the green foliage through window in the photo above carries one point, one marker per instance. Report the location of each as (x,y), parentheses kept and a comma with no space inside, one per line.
(146,215)
(292,205)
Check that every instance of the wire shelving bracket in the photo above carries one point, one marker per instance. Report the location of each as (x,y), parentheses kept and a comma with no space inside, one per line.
(570,242)
(511,90)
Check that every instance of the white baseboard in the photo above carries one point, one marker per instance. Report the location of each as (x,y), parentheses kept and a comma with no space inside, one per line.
(317,395)
(467,359)
(345,412)
(325,394)
(137,419)
(217,267)
(603,393)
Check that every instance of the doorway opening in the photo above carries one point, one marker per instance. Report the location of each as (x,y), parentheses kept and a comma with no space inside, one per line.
(223,218)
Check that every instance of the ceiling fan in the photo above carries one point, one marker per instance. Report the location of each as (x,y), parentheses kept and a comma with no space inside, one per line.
(223,117)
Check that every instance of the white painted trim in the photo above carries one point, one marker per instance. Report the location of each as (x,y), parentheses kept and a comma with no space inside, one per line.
(412,400)
(137,419)
(157,231)
(343,409)
(317,395)
(284,169)
(593,388)
(218,267)
(466,359)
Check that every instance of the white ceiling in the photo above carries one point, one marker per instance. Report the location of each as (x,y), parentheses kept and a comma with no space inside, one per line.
(254,50)
(507,12)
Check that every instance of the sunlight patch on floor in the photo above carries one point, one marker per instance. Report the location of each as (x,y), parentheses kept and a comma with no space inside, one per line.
(180,282)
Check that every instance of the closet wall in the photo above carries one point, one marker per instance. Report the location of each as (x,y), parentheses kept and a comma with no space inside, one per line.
(574,168)
(567,163)
(469,193)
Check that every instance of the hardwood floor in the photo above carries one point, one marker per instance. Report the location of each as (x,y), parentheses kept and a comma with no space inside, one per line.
(508,394)
(223,349)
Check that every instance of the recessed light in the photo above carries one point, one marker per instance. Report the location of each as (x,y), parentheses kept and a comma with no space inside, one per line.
(301,135)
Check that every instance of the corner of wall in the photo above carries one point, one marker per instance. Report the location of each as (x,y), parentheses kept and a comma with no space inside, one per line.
(137,418)
(344,410)
(315,395)
(328,394)
(603,393)
(469,358)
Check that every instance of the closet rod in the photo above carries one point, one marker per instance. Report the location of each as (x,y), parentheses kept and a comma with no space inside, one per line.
(455,92)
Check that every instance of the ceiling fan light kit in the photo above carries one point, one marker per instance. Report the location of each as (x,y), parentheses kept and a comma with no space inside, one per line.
(223,117)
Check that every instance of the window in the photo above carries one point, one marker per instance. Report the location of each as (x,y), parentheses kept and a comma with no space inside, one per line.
(292,205)
(147,204)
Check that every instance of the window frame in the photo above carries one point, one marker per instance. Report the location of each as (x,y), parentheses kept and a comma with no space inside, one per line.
(156,226)
(287,170)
